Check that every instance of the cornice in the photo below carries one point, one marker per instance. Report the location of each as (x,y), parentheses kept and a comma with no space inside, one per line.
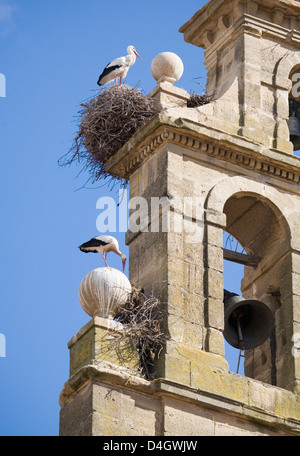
(209,25)
(204,142)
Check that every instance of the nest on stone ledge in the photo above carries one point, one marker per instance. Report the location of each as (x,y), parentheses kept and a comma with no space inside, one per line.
(198,100)
(107,122)
(141,318)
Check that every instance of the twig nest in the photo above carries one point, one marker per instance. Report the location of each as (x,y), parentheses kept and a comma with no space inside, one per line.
(103,292)
(167,66)
(107,122)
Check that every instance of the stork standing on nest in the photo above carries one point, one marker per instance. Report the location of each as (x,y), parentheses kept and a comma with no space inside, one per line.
(119,67)
(103,244)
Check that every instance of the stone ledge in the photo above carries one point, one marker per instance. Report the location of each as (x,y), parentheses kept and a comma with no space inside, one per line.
(103,323)
(269,406)
(208,142)
(106,374)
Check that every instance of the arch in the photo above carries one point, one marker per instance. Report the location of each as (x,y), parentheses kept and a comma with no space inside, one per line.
(281,203)
(285,67)
(263,219)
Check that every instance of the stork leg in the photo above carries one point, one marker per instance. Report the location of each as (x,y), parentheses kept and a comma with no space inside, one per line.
(120,80)
(116,81)
(104,258)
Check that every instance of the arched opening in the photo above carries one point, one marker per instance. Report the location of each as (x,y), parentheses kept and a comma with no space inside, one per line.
(233,273)
(263,241)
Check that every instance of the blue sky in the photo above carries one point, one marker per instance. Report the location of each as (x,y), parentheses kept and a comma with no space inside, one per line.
(52,53)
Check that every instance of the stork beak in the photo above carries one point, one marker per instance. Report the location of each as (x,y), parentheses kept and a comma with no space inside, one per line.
(123,261)
(137,55)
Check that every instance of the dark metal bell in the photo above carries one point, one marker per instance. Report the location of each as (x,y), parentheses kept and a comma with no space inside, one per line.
(294,127)
(248,322)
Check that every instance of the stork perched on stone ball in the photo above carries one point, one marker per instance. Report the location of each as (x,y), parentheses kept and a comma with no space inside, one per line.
(118,68)
(103,244)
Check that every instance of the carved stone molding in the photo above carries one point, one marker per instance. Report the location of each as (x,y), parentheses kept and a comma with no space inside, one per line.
(128,159)
(271,16)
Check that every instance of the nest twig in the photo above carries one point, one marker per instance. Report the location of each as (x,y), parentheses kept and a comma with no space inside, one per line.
(107,122)
(142,318)
(198,100)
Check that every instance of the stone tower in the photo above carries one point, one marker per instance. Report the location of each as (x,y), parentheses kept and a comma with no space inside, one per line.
(227,165)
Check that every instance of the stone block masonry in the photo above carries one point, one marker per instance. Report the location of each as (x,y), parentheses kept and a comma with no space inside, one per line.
(234,161)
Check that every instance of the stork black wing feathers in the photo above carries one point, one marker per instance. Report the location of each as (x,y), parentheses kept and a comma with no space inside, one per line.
(91,243)
(88,251)
(108,69)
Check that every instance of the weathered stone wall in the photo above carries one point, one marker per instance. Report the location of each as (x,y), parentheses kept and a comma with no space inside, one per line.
(96,343)
(117,412)
(226,184)
(106,399)
(251,51)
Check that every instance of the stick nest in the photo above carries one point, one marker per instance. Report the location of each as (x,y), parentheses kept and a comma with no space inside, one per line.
(142,320)
(107,122)
(198,100)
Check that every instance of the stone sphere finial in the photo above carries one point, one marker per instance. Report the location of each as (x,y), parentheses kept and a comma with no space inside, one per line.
(167,66)
(103,292)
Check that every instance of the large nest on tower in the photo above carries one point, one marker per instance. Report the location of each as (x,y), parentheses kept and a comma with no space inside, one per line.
(107,121)
(142,319)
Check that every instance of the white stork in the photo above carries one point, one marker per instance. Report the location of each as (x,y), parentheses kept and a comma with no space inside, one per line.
(118,68)
(103,244)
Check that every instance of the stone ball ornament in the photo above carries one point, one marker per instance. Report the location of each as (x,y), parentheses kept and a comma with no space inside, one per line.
(167,66)
(103,292)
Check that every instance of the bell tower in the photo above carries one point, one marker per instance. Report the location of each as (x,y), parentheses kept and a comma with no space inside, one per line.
(197,171)
(252,53)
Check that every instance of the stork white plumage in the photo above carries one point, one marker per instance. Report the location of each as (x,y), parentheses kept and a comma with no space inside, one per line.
(103,244)
(119,67)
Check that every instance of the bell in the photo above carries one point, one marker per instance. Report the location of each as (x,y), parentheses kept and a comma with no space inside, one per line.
(248,323)
(294,127)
